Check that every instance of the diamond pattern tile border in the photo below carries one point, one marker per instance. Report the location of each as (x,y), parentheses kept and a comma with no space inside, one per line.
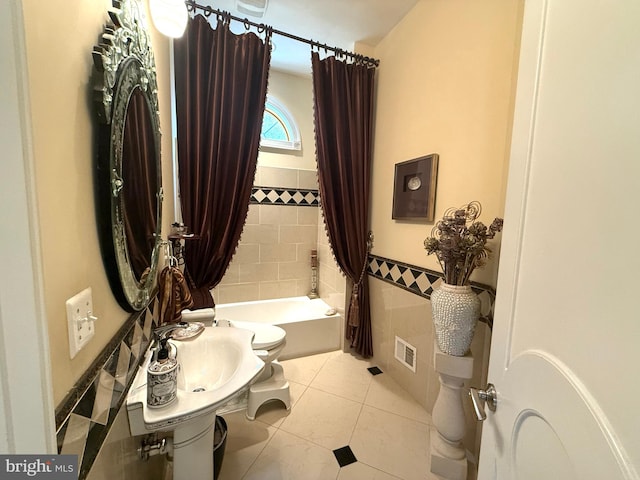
(85,416)
(285,196)
(422,281)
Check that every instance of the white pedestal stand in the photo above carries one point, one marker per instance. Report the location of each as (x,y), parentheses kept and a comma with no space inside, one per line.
(448,456)
(193,448)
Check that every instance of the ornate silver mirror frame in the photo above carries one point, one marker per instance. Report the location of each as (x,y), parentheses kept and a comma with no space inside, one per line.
(124,64)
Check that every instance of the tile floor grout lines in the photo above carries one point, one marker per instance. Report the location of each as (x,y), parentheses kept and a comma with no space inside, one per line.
(388,440)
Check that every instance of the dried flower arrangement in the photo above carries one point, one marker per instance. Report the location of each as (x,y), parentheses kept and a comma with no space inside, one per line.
(460,243)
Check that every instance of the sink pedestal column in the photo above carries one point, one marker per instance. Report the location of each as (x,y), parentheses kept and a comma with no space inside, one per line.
(193,448)
(448,456)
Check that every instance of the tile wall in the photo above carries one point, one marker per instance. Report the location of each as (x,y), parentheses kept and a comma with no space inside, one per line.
(94,414)
(400,307)
(283,226)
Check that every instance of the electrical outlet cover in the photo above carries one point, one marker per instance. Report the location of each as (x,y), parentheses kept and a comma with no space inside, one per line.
(80,320)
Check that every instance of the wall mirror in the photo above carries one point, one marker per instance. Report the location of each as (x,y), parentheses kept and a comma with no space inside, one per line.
(128,180)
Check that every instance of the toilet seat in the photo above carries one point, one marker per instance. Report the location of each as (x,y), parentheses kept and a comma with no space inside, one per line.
(266,336)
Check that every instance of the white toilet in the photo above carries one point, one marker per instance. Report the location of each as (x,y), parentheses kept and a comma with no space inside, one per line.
(268,342)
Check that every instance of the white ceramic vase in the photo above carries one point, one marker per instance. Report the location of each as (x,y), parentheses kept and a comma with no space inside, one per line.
(456,310)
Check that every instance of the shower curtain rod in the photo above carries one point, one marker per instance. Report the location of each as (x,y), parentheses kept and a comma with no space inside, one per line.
(192,6)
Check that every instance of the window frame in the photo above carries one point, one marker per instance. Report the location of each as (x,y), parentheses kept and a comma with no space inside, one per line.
(284,116)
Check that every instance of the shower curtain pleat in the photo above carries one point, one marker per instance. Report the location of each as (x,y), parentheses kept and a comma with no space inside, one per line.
(343,110)
(221,85)
(140,216)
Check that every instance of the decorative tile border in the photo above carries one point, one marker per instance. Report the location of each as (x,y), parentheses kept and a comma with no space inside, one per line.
(285,196)
(85,416)
(422,281)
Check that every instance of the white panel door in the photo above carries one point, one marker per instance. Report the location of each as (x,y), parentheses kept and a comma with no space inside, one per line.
(565,355)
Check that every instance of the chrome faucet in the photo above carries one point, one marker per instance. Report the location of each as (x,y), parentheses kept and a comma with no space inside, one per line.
(164,332)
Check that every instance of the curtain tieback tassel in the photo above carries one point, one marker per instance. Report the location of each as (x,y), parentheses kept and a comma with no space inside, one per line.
(354,309)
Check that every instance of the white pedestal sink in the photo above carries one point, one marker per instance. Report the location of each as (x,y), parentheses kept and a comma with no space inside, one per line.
(214,367)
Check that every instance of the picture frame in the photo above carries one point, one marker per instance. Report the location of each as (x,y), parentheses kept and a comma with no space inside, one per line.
(414,188)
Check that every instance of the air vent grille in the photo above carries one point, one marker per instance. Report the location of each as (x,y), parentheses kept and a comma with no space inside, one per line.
(406,354)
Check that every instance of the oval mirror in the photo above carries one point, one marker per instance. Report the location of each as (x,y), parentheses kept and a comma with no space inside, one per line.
(128,174)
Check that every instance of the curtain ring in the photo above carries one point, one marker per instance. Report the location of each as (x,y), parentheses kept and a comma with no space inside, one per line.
(261,28)
(208,11)
(247,25)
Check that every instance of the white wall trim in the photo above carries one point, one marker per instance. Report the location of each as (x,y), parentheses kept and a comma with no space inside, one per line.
(27,420)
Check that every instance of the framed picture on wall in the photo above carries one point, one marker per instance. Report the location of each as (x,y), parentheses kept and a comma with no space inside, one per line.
(414,189)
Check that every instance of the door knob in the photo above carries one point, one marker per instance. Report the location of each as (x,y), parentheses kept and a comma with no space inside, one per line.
(489,396)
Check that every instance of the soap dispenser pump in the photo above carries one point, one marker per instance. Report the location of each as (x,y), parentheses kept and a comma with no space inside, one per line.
(162,376)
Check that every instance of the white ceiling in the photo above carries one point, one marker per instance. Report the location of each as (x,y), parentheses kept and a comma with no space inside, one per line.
(338,23)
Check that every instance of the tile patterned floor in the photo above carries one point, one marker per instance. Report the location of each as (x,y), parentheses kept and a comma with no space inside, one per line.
(336,403)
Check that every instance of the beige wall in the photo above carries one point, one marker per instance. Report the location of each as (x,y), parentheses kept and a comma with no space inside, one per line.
(445,85)
(295,93)
(60,35)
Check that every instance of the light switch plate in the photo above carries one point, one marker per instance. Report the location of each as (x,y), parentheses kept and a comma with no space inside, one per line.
(80,320)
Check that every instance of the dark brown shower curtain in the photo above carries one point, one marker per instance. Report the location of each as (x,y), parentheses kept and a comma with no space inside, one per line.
(140,177)
(221,84)
(343,101)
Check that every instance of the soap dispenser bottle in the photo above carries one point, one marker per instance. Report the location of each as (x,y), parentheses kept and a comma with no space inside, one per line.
(162,376)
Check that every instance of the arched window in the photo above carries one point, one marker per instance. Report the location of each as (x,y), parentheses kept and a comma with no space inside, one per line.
(279,129)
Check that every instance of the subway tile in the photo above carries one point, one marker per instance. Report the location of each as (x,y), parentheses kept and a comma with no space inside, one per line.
(278,215)
(257,272)
(247,253)
(303,252)
(257,179)
(308,179)
(293,270)
(280,289)
(307,216)
(243,292)
(330,278)
(303,287)
(253,216)
(277,253)
(255,234)
(298,233)
(232,275)
(268,234)
(278,177)
(249,234)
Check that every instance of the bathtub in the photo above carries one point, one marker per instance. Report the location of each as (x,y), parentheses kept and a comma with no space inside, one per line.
(309,329)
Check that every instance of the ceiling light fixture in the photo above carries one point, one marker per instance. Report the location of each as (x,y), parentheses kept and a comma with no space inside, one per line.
(169,16)
(255,8)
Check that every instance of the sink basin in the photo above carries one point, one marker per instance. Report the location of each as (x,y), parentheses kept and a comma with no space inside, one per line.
(214,367)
